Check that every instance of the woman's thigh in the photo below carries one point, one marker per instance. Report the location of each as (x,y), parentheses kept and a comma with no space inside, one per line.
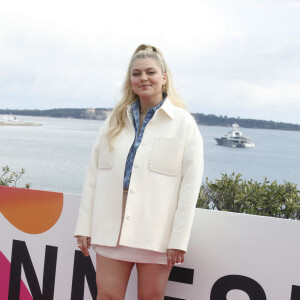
(112,277)
(152,280)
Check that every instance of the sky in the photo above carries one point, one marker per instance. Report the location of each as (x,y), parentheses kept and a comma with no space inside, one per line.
(234,58)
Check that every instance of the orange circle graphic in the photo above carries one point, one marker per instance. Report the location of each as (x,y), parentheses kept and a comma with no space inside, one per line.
(30,211)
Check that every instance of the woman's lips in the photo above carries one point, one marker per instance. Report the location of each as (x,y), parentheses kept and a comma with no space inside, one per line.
(146,85)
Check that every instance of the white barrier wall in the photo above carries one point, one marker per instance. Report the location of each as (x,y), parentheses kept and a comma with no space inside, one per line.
(231,256)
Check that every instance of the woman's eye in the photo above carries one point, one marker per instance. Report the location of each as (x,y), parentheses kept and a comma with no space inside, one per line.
(152,72)
(135,74)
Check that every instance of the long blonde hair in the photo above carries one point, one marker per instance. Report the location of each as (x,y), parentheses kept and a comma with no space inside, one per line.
(116,121)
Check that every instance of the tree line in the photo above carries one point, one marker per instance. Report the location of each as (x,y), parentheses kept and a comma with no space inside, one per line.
(213,120)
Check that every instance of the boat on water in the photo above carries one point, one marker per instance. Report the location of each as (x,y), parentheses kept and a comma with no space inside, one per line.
(235,139)
(10,120)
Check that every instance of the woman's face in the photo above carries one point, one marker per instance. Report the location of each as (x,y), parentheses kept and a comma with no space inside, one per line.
(147,78)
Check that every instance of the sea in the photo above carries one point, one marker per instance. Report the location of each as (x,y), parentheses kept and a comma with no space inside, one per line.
(55,155)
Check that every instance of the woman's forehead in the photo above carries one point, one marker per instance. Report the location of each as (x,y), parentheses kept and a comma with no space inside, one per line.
(144,63)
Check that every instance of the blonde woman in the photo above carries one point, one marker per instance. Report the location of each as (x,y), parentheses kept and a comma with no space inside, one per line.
(142,183)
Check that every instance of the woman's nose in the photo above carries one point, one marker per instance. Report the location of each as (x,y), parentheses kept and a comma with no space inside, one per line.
(143,77)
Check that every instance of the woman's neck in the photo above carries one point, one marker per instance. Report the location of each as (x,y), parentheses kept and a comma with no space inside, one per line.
(150,102)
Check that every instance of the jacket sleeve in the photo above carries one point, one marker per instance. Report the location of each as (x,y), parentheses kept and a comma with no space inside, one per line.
(84,220)
(191,177)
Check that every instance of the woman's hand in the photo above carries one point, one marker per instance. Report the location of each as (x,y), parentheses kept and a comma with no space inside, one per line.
(84,244)
(175,256)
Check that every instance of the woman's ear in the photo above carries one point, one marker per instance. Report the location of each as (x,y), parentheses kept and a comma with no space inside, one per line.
(165,78)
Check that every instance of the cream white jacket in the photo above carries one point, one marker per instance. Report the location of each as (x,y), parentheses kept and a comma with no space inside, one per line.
(164,185)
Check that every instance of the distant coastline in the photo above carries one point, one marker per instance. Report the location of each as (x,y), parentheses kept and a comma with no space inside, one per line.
(213,120)
(102,113)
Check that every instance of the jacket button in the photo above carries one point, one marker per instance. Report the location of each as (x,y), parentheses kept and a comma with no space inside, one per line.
(132,191)
(137,165)
(143,143)
(128,217)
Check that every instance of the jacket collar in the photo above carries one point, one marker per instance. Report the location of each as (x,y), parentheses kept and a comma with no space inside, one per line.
(168,108)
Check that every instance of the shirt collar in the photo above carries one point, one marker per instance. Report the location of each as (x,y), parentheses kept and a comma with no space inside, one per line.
(164,105)
(136,106)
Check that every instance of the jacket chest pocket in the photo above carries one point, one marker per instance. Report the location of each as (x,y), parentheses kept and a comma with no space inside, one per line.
(106,156)
(166,156)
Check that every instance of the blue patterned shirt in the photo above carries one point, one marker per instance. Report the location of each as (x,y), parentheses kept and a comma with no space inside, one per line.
(138,137)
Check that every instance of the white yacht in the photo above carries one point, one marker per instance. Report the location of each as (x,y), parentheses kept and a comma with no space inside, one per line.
(235,138)
(9,119)
(14,121)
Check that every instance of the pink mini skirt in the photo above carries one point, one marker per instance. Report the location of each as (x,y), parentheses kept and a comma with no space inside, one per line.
(131,254)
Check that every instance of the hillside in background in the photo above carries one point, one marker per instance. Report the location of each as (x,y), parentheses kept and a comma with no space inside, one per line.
(213,120)
(74,113)
(102,113)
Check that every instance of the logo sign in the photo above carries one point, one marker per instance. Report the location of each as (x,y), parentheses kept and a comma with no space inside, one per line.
(231,256)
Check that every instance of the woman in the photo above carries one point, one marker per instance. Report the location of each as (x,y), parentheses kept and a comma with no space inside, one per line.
(142,183)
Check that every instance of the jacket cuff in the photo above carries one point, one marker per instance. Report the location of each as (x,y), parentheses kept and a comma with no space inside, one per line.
(179,242)
(82,230)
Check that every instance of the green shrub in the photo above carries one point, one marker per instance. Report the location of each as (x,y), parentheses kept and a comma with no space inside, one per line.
(231,193)
(10,178)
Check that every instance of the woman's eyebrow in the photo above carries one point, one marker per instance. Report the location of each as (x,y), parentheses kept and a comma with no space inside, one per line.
(145,69)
